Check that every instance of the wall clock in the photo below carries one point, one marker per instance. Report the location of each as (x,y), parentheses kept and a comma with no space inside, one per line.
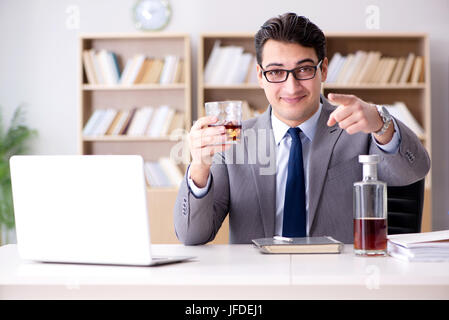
(151,14)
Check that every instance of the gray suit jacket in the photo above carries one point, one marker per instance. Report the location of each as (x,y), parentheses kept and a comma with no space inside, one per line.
(244,182)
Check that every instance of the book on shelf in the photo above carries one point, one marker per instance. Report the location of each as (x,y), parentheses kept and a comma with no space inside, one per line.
(371,67)
(418,70)
(140,121)
(89,68)
(298,245)
(99,122)
(226,58)
(127,122)
(239,69)
(172,171)
(380,70)
(179,73)
(156,124)
(211,62)
(388,71)
(96,64)
(355,67)
(153,72)
(168,119)
(115,122)
(344,69)
(146,65)
(251,76)
(176,123)
(398,70)
(137,63)
(400,111)
(426,247)
(163,173)
(169,69)
(407,68)
(102,67)
(123,118)
(113,66)
(155,175)
(93,121)
(108,66)
(333,66)
(143,121)
(106,121)
(228,65)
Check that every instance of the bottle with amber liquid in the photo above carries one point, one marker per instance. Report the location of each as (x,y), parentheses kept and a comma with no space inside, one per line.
(370,210)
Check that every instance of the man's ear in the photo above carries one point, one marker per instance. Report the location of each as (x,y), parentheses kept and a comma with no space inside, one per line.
(259,75)
(324,69)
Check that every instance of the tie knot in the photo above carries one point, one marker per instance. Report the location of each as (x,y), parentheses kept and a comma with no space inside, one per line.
(294,133)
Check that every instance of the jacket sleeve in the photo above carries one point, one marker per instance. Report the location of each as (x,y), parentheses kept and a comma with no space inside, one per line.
(409,164)
(197,220)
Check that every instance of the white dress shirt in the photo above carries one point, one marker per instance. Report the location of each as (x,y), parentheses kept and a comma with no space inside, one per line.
(283,143)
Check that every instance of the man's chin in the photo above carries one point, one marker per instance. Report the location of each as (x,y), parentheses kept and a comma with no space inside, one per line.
(295,114)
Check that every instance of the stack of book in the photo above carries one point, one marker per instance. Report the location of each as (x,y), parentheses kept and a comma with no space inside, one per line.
(163,173)
(371,67)
(427,246)
(144,121)
(230,65)
(102,67)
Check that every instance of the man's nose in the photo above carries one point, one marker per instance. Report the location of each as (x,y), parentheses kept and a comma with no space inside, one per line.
(291,84)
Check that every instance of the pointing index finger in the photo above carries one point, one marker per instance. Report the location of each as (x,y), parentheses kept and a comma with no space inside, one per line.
(340,99)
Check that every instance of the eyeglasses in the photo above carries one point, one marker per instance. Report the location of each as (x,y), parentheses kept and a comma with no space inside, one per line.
(299,73)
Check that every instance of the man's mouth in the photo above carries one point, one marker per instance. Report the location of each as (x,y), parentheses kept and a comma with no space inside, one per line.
(293,100)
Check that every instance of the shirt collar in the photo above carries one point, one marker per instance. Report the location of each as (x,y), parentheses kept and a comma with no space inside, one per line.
(308,127)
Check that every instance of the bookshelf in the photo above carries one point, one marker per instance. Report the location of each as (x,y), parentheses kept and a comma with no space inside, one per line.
(416,96)
(93,96)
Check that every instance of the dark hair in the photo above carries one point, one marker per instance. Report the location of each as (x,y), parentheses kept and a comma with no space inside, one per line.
(291,28)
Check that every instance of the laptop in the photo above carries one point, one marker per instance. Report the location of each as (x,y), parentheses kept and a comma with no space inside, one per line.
(88,209)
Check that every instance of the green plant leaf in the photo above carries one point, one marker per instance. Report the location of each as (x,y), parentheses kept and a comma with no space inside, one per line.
(12,141)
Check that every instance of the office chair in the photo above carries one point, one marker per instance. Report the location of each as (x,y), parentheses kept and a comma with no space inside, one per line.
(405,205)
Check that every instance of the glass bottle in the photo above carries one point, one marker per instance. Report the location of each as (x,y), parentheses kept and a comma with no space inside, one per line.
(370,210)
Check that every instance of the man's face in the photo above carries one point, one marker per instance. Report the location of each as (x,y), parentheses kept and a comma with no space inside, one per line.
(293,101)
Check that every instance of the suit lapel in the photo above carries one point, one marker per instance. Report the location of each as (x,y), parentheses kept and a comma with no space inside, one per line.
(320,153)
(264,174)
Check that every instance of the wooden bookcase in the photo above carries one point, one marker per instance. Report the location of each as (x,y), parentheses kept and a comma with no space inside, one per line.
(178,96)
(415,96)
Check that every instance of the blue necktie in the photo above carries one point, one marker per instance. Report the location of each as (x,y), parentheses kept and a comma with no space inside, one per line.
(294,224)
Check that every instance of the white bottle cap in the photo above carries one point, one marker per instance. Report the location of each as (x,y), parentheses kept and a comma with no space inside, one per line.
(369,166)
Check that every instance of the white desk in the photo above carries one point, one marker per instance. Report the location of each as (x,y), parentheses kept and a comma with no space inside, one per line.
(227,272)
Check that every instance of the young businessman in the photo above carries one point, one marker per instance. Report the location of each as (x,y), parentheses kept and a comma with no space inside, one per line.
(313,144)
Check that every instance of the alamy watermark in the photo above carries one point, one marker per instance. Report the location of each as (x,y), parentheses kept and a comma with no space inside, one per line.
(72,21)
(372,21)
(372,280)
(256,147)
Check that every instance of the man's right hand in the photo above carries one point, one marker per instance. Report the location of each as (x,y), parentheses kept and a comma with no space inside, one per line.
(204,142)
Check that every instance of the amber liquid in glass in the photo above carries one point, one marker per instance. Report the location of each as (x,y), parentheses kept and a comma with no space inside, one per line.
(370,236)
(233,131)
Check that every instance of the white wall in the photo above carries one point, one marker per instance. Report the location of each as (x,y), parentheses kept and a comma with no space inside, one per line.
(38,56)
